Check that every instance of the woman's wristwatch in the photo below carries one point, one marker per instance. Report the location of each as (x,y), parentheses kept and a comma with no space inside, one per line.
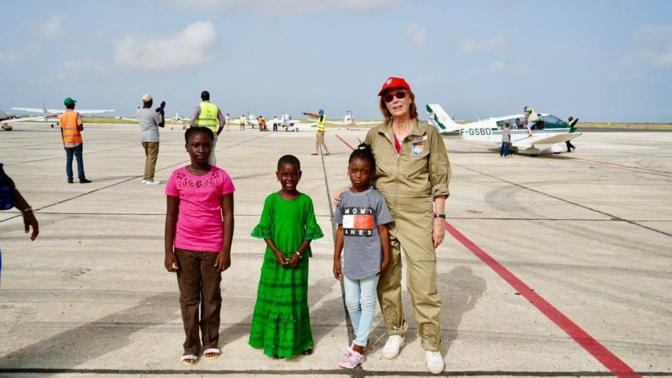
(443,216)
(298,253)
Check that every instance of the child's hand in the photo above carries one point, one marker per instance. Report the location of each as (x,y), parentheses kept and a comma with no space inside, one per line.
(223,262)
(170,262)
(294,261)
(282,260)
(383,266)
(337,271)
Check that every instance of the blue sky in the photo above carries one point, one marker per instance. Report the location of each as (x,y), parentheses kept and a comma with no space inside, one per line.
(599,60)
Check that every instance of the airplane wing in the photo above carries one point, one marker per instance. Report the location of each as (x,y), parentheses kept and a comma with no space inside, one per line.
(85,111)
(58,111)
(354,123)
(544,139)
(38,110)
(21,120)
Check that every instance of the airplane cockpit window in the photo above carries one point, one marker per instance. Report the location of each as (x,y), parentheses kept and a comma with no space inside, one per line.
(551,119)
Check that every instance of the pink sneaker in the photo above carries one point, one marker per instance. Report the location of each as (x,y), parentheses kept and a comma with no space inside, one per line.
(351,359)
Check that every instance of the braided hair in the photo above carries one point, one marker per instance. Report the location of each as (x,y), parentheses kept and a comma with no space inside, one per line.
(364,152)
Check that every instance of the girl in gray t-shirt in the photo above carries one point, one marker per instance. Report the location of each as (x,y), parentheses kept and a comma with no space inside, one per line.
(362,217)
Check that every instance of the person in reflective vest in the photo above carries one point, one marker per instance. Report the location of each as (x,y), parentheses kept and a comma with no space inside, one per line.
(71,133)
(243,120)
(319,137)
(209,115)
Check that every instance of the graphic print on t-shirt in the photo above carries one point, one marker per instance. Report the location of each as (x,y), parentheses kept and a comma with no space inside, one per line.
(357,221)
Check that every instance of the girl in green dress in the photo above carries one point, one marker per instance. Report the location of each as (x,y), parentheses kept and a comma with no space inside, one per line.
(281,319)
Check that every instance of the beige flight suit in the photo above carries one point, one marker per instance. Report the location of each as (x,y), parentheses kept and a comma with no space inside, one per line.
(409,181)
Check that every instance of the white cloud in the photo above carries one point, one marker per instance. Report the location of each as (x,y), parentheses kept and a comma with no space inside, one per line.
(494,43)
(418,35)
(653,47)
(286,6)
(14,56)
(81,68)
(52,29)
(501,67)
(190,47)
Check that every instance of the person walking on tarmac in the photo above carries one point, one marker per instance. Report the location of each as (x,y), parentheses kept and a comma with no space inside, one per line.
(319,137)
(71,132)
(209,115)
(243,120)
(276,121)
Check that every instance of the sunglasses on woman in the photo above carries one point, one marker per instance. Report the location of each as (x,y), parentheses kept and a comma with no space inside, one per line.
(399,95)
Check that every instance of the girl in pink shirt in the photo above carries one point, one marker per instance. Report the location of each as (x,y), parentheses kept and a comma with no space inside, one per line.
(198,234)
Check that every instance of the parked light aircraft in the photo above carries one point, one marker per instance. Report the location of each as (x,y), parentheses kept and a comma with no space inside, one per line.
(285,121)
(551,131)
(51,115)
(6,119)
(349,122)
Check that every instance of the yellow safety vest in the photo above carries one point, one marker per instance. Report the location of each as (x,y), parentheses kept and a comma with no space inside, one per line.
(208,116)
(321,122)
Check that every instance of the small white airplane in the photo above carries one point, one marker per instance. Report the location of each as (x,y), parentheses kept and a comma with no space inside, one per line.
(349,122)
(51,115)
(7,119)
(285,121)
(551,130)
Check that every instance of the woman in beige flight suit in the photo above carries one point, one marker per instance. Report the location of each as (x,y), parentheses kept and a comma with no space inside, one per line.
(412,171)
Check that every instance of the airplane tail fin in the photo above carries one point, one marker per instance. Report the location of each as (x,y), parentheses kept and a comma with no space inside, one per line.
(440,119)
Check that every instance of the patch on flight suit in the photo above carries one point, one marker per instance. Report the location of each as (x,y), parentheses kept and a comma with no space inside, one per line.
(418,149)
(357,221)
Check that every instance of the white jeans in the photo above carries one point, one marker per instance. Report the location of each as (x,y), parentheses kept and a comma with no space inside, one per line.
(360,299)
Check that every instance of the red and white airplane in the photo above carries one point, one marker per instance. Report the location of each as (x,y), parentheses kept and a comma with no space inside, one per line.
(7,119)
(51,115)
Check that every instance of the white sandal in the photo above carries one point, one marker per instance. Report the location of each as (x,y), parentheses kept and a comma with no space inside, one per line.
(189,357)
(211,350)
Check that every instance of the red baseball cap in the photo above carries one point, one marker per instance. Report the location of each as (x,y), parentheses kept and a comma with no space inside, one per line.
(394,82)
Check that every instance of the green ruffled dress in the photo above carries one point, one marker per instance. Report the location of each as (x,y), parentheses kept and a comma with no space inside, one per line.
(281,319)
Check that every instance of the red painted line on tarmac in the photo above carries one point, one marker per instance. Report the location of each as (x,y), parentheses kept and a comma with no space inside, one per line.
(592,346)
(585,340)
(346,143)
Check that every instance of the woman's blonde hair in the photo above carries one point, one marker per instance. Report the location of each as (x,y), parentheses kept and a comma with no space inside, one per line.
(412,109)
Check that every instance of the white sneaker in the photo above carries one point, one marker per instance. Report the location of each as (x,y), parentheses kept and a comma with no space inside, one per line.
(434,361)
(152,182)
(392,346)
(144,181)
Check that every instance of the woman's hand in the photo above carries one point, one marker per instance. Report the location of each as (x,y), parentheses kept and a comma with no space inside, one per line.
(337,195)
(438,232)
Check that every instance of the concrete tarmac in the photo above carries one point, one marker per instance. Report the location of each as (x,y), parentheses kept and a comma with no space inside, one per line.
(559,265)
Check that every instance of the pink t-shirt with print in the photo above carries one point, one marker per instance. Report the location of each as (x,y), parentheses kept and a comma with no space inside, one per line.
(199,223)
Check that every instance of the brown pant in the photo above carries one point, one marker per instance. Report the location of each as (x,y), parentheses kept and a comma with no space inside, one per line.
(151,154)
(412,232)
(199,281)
